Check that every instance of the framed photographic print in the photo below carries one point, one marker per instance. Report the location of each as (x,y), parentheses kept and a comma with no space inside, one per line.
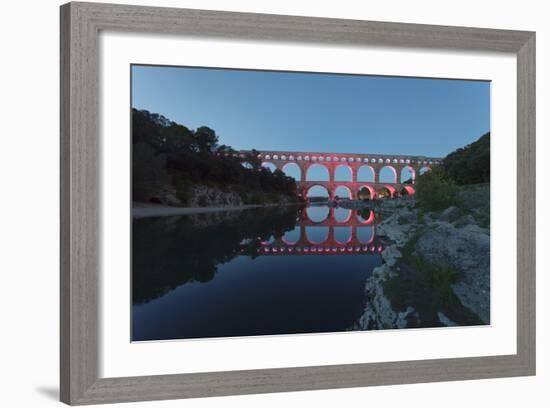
(258,203)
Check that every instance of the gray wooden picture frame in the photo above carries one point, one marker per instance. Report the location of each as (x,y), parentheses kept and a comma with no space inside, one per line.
(81,24)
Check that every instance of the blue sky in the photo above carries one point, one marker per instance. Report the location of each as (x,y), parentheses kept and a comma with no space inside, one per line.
(318,112)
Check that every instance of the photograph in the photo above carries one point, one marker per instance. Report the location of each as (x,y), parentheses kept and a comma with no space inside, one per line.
(274,204)
(286,203)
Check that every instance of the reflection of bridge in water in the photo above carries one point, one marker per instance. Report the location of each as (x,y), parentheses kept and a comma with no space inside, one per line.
(330,236)
(331,220)
(328,247)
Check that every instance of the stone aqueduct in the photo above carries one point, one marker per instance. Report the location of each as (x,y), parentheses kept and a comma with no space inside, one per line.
(354,162)
(330,244)
(328,247)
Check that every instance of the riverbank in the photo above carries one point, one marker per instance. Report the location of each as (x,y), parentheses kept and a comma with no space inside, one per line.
(147,210)
(436,271)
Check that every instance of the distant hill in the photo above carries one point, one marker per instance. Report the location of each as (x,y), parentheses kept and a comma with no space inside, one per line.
(470,164)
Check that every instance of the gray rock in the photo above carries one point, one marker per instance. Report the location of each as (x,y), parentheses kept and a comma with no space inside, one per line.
(401,320)
(378,312)
(429,217)
(467,250)
(445,320)
(465,220)
(168,195)
(390,255)
(450,214)
(206,196)
(397,232)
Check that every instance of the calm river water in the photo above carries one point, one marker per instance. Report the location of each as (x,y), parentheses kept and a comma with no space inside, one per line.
(280,270)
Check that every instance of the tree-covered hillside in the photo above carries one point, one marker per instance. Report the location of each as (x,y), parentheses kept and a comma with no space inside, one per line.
(470,164)
(442,187)
(169,156)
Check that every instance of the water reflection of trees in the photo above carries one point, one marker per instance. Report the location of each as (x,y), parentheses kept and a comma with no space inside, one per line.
(171,251)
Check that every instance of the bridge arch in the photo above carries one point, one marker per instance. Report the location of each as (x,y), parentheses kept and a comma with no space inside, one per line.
(343,172)
(365,235)
(317,172)
(292,170)
(385,191)
(317,215)
(268,241)
(269,165)
(316,235)
(342,215)
(366,192)
(318,190)
(343,234)
(365,173)
(368,220)
(387,174)
(291,237)
(407,191)
(408,175)
(424,170)
(340,191)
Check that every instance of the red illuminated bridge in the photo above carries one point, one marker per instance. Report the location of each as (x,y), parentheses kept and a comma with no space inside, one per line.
(353,245)
(363,171)
(278,248)
(348,236)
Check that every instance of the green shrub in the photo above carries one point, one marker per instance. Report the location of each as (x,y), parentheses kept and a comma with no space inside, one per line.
(436,275)
(439,278)
(434,191)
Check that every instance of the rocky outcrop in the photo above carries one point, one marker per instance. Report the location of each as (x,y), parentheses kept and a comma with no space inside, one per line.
(201,195)
(379,313)
(447,238)
(157,193)
(467,250)
(206,196)
(400,223)
(467,219)
(196,196)
(450,214)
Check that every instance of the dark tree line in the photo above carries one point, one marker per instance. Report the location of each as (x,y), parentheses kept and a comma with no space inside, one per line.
(470,164)
(437,189)
(167,152)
